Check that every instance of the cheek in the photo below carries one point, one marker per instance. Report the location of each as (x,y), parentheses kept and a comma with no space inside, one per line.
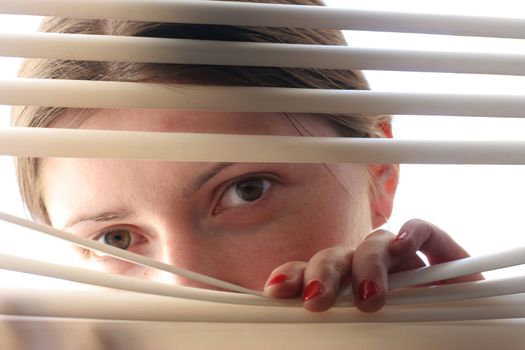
(330,220)
(339,209)
(297,236)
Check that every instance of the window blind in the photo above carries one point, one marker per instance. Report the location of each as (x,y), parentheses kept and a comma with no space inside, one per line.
(478,313)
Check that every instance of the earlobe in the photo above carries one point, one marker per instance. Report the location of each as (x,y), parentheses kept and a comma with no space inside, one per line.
(384,180)
(384,184)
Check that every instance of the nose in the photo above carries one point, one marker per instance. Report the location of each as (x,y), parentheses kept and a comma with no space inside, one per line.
(193,251)
(193,244)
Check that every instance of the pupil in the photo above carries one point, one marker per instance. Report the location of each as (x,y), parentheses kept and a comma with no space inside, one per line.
(119,239)
(250,190)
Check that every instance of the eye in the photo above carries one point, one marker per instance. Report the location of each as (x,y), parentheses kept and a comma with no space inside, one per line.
(119,238)
(125,237)
(245,191)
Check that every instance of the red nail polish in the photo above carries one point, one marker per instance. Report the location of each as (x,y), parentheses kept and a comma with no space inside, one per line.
(312,290)
(280,278)
(367,289)
(401,236)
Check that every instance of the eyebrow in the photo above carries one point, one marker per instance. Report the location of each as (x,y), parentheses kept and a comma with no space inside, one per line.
(205,177)
(106,216)
(116,215)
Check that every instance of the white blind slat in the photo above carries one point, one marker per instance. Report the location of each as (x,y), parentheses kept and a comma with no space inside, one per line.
(256,14)
(479,335)
(37,142)
(111,251)
(210,147)
(104,94)
(439,272)
(147,307)
(161,50)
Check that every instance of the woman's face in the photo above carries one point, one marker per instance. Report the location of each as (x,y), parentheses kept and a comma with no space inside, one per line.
(233,221)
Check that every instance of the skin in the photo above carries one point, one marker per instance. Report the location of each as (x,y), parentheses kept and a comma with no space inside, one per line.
(310,227)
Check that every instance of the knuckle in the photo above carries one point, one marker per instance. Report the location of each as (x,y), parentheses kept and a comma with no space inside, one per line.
(412,246)
(372,257)
(334,277)
(322,267)
(331,264)
(331,256)
(420,228)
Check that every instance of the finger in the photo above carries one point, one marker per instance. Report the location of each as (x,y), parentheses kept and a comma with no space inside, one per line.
(436,244)
(370,266)
(323,276)
(411,263)
(408,263)
(286,281)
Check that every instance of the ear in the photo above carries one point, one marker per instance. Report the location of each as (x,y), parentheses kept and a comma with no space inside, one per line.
(384,184)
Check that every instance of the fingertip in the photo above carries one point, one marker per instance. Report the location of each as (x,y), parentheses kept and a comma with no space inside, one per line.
(277,279)
(316,306)
(401,236)
(414,225)
(317,298)
(282,286)
(401,245)
(372,305)
(370,296)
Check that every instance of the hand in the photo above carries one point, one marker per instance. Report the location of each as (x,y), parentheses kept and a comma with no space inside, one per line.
(367,267)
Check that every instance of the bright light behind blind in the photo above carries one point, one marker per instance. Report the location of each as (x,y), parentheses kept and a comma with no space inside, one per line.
(14,240)
(479,205)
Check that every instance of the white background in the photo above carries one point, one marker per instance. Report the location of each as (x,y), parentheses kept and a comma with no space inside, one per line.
(481,206)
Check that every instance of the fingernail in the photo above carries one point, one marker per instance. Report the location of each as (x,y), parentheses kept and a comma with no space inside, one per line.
(367,289)
(277,280)
(401,236)
(312,290)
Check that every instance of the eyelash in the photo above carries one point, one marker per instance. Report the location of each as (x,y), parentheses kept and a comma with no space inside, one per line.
(235,182)
(88,254)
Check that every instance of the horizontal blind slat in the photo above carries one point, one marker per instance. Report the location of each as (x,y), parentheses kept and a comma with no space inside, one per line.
(160,50)
(105,94)
(121,254)
(38,142)
(256,14)
(147,307)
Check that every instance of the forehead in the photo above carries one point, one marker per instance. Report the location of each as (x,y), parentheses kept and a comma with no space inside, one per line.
(78,185)
(63,181)
(200,122)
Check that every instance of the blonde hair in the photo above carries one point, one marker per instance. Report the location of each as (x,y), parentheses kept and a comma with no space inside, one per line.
(32,116)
